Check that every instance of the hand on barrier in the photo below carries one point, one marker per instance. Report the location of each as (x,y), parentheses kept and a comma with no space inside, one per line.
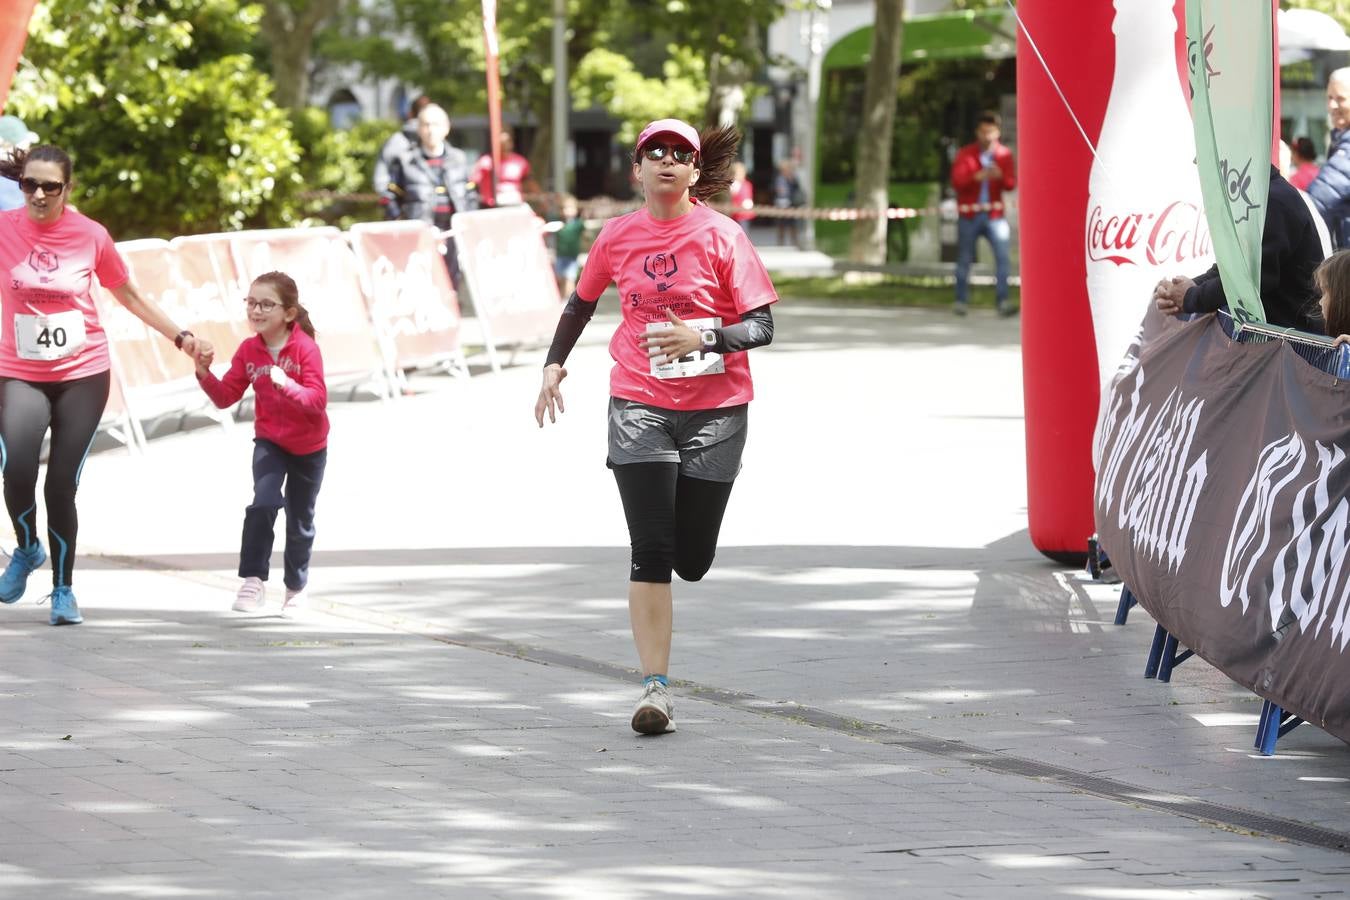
(1341,339)
(549,394)
(671,343)
(1170,294)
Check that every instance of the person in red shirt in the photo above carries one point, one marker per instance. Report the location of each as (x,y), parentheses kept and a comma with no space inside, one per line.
(1303,163)
(742,197)
(981,172)
(55,369)
(284,366)
(513,182)
(696,296)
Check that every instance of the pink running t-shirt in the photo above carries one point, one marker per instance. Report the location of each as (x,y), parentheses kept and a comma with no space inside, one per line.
(46,295)
(700,265)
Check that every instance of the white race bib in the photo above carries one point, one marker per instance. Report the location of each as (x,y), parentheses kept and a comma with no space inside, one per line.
(700,362)
(56,336)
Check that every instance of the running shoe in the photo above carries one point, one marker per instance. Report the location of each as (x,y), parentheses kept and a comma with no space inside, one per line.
(295,601)
(655,712)
(959,308)
(1007,310)
(252,595)
(64,610)
(21,565)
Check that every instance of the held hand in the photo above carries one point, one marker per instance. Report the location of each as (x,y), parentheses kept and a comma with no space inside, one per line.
(670,344)
(1170,294)
(205,357)
(191,346)
(549,394)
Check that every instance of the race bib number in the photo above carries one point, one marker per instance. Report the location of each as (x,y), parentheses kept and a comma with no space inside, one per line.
(696,364)
(49,337)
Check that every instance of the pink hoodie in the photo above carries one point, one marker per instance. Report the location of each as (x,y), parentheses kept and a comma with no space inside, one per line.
(294,417)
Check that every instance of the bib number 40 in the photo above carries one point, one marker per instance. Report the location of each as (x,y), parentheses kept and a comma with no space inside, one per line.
(52,337)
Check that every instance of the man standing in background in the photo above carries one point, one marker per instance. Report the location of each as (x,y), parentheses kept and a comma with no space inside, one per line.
(981,172)
(398,144)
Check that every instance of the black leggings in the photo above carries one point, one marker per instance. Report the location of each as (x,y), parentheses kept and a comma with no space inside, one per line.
(73,410)
(673,520)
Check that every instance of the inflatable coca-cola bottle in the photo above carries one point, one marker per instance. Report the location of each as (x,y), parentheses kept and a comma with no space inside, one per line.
(1145,219)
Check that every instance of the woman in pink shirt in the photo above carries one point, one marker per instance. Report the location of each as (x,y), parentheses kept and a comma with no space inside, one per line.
(54,364)
(695,297)
(290,451)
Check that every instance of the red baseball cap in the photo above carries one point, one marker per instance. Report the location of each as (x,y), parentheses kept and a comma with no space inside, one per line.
(682,130)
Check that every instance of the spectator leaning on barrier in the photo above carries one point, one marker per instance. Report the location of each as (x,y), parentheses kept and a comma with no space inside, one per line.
(981,172)
(54,362)
(398,144)
(1291,251)
(1330,190)
(431,179)
(696,296)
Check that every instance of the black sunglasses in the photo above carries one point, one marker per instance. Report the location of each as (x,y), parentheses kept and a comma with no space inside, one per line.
(31,185)
(655,152)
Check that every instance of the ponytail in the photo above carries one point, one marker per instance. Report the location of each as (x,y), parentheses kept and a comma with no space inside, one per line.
(302,321)
(718,152)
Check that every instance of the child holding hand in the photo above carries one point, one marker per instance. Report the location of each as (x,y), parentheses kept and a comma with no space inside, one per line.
(283,364)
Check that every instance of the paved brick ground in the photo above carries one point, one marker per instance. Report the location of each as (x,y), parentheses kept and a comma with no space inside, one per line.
(875,569)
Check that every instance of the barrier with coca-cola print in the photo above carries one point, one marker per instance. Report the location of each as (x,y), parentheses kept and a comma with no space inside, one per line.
(510,280)
(1223,501)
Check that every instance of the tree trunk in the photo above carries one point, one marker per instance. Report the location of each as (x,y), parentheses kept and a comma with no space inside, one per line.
(288,27)
(868,242)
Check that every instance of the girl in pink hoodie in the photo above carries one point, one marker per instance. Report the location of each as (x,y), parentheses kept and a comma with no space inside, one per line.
(284,365)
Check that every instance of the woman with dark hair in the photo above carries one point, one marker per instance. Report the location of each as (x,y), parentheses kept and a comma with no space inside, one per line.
(695,297)
(1333,282)
(54,364)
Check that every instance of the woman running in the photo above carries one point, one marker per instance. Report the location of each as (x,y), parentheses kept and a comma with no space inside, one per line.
(54,360)
(695,297)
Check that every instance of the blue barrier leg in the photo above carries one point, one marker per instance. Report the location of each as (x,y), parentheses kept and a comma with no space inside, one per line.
(1123,608)
(1169,658)
(1268,731)
(1155,652)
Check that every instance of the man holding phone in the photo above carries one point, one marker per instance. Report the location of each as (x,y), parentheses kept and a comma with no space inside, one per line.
(981,172)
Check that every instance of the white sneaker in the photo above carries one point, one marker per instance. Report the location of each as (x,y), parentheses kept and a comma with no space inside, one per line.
(655,712)
(252,595)
(296,601)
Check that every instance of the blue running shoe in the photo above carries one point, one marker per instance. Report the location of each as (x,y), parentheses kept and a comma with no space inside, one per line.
(64,610)
(21,565)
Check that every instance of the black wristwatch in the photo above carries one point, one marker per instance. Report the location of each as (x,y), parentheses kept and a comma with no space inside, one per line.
(182,336)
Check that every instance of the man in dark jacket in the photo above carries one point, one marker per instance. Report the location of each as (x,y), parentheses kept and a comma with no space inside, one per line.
(1330,190)
(396,146)
(1291,248)
(430,179)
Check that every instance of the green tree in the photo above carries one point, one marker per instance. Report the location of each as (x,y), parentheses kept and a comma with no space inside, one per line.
(172,129)
(1337,9)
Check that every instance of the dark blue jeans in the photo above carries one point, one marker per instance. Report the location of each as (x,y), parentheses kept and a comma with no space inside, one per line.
(997,233)
(301,477)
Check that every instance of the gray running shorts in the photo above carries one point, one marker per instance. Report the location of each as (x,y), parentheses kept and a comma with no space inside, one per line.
(707,443)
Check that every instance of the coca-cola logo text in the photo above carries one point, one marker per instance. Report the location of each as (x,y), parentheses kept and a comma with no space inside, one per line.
(1177,234)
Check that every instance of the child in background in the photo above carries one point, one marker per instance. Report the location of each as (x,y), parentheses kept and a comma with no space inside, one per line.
(291,425)
(568,247)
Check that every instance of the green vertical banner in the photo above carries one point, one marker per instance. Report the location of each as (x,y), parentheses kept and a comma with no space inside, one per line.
(1229,50)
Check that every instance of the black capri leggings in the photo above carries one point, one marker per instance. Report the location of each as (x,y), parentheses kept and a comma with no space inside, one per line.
(73,410)
(673,520)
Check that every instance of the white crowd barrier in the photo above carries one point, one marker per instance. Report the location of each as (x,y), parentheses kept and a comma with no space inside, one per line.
(380,298)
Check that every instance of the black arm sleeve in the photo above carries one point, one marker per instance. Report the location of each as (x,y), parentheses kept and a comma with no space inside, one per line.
(755,329)
(573,321)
